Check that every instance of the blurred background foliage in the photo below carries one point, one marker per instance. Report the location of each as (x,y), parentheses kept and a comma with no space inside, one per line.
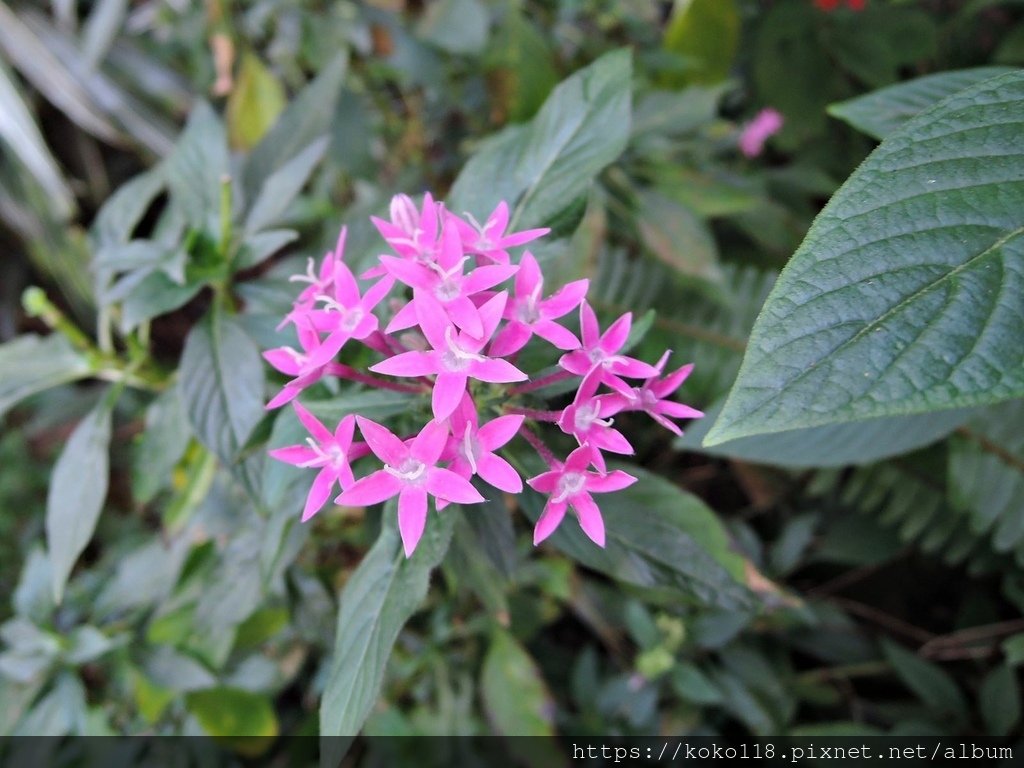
(854,585)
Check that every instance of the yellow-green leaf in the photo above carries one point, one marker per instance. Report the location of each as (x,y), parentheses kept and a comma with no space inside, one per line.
(254,104)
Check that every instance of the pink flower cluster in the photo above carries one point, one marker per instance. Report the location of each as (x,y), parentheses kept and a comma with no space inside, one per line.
(456,334)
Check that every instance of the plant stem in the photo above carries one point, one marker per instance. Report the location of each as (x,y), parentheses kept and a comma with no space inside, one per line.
(544,381)
(538,446)
(352,374)
(532,413)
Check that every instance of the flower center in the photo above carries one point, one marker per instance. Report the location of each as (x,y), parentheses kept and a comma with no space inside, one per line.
(569,484)
(352,318)
(447,290)
(455,358)
(411,471)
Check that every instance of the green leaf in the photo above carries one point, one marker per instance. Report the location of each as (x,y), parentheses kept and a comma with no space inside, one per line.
(520,67)
(76,493)
(834,445)
(675,235)
(282,186)
(456,26)
(1013,649)
(254,104)
(101,28)
(705,33)
(693,685)
(195,168)
(544,166)
(936,689)
(515,697)
(881,112)
(258,248)
(232,712)
(306,119)
(659,537)
(221,384)
(903,298)
(380,596)
(986,474)
(31,363)
(999,699)
(161,445)
(19,131)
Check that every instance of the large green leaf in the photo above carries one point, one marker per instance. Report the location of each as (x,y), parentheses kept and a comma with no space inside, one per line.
(232,712)
(30,364)
(881,112)
(660,537)
(195,169)
(383,592)
(905,296)
(929,681)
(833,445)
(221,384)
(76,494)
(542,167)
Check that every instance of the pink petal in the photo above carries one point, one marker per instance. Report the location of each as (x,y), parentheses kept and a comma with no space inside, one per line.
(589,516)
(346,289)
(549,520)
(528,277)
(286,395)
(511,339)
(376,293)
(319,432)
(613,481)
(319,492)
(565,300)
(433,319)
(576,362)
(408,364)
(465,315)
(490,315)
(327,350)
(404,318)
(545,482)
(429,443)
(557,335)
(673,428)
(589,328)
(635,369)
(283,359)
(448,390)
(482,278)
(496,433)
(579,459)
(518,238)
(448,485)
(615,337)
(412,516)
(385,445)
(498,219)
(608,439)
(672,382)
(293,454)
(499,473)
(370,490)
(344,431)
(678,410)
(409,272)
(495,371)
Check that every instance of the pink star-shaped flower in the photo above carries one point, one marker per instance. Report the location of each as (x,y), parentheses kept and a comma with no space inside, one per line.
(412,232)
(490,240)
(446,282)
(346,315)
(651,398)
(529,314)
(570,485)
(327,450)
(411,473)
(288,361)
(319,282)
(600,352)
(472,447)
(586,419)
(455,357)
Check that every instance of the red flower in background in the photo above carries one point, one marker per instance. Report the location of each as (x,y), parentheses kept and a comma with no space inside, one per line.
(831,5)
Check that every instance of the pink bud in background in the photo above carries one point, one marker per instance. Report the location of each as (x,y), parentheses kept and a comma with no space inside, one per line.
(766,123)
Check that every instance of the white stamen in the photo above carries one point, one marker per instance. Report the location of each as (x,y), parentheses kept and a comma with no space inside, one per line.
(569,485)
